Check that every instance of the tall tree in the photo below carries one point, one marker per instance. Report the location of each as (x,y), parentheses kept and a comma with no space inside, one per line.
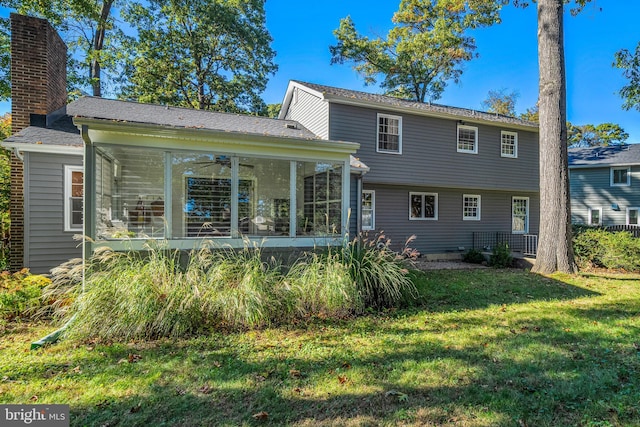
(630,64)
(501,102)
(590,135)
(88,29)
(205,54)
(422,52)
(555,248)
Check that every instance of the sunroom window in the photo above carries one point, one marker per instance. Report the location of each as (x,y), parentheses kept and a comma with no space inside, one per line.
(211,195)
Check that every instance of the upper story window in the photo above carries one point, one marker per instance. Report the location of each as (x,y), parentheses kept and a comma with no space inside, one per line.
(389,134)
(595,216)
(73,197)
(620,176)
(632,216)
(471,207)
(423,206)
(368,209)
(467,139)
(508,144)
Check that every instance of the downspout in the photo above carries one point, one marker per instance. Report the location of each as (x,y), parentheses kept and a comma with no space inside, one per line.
(18,154)
(87,228)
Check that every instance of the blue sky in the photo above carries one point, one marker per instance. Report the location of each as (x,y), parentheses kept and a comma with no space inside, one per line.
(303,31)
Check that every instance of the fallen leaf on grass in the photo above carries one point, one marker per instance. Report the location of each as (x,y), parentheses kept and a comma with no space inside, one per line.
(216,364)
(133,358)
(342,379)
(34,398)
(295,373)
(261,416)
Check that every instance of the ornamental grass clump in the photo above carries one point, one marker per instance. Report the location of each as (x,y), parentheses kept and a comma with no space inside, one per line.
(380,274)
(321,285)
(242,290)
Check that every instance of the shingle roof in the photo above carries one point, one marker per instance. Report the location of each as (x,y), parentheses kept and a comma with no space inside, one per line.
(133,112)
(334,93)
(61,132)
(626,154)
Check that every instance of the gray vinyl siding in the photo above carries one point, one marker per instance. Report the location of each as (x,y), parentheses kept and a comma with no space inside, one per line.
(429,152)
(310,111)
(46,243)
(449,232)
(591,188)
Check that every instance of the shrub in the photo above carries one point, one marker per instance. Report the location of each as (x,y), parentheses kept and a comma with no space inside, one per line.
(595,247)
(501,256)
(473,256)
(21,294)
(380,274)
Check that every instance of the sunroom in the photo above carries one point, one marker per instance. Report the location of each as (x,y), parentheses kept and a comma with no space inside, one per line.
(225,180)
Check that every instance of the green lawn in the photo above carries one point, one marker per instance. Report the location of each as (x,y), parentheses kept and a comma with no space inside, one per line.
(486,348)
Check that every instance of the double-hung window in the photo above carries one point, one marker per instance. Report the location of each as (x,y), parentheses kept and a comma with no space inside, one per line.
(620,176)
(471,207)
(73,197)
(389,136)
(423,206)
(595,216)
(508,144)
(467,139)
(519,215)
(632,216)
(368,209)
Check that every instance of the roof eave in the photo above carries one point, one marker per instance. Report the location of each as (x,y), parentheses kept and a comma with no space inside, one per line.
(199,134)
(451,116)
(43,148)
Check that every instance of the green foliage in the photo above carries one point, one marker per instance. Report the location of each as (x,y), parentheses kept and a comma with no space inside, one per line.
(5,189)
(473,256)
(596,247)
(203,54)
(90,31)
(501,102)
(589,135)
(379,273)
(630,64)
(20,294)
(132,295)
(532,114)
(423,51)
(501,256)
(321,284)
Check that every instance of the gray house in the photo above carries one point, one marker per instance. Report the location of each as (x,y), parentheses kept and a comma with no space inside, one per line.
(455,178)
(124,173)
(605,185)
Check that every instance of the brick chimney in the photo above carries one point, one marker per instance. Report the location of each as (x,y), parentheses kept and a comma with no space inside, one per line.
(38,90)
(38,70)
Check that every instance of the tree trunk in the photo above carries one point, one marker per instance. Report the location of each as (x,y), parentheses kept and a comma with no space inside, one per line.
(555,250)
(98,45)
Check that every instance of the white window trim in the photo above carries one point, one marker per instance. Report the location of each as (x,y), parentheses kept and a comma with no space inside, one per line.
(388,116)
(614,168)
(68,179)
(435,213)
(589,215)
(373,210)
(632,209)
(475,144)
(472,218)
(515,144)
(526,227)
